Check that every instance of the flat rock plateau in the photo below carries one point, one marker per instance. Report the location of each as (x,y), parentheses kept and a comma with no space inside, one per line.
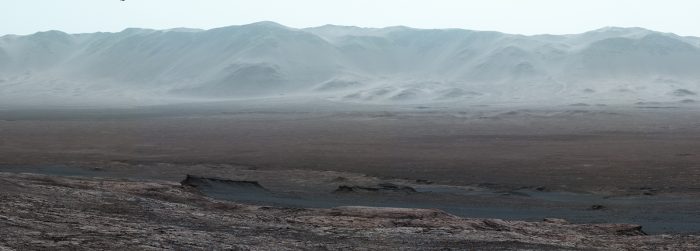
(50,213)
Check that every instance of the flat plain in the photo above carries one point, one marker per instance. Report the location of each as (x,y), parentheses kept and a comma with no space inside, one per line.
(585,164)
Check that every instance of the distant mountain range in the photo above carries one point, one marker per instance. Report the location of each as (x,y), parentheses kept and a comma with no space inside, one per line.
(352,64)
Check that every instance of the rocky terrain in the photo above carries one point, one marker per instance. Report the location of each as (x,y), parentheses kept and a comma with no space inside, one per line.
(266,137)
(117,178)
(50,213)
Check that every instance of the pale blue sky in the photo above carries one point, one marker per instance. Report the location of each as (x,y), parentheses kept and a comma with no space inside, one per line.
(512,16)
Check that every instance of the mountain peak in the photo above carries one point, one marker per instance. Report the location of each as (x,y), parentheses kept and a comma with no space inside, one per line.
(51,33)
(621,29)
(263,25)
(183,29)
(268,24)
(135,30)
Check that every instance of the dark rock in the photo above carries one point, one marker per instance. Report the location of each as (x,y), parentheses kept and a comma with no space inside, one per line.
(384,187)
(426,182)
(347,189)
(648,190)
(629,230)
(515,193)
(223,189)
(196,181)
(394,187)
(597,207)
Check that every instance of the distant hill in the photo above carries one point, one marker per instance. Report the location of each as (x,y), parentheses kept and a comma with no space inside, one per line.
(369,65)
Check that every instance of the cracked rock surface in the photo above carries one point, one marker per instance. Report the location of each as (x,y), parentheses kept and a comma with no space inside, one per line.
(39,212)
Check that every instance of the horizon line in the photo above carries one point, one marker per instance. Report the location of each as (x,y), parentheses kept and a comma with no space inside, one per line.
(347,26)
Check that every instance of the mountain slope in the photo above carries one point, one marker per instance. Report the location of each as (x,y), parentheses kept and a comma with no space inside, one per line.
(394,64)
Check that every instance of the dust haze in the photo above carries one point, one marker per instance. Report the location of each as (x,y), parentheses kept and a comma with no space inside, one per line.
(263,136)
(393,65)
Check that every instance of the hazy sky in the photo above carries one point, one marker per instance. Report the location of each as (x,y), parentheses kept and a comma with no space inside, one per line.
(512,16)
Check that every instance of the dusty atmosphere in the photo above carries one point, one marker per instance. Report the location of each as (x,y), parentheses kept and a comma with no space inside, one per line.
(350,125)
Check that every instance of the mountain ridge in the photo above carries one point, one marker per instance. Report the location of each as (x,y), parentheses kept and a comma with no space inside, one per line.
(354,64)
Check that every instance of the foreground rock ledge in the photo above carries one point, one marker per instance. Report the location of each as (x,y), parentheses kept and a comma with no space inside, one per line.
(44,212)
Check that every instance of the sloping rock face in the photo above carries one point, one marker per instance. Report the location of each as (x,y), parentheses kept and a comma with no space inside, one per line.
(43,212)
(223,184)
(391,65)
(384,187)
